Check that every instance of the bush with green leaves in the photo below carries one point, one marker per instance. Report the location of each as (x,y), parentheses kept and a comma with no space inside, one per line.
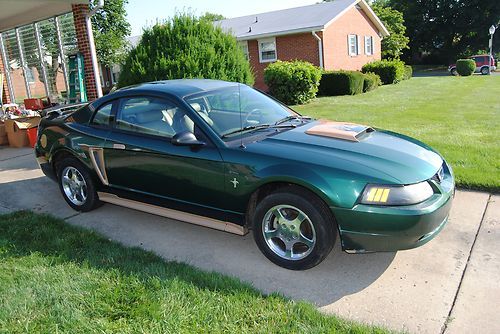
(371,82)
(408,72)
(389,71)
(341,83)
(185,47)
(292,82)
(466,67)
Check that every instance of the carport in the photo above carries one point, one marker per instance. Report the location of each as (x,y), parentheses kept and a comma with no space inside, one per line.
(36,38)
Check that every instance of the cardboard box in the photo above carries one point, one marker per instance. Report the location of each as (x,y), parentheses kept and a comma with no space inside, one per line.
(16,130)
(3,134)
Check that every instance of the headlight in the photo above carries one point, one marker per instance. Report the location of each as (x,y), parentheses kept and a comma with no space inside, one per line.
(396,195)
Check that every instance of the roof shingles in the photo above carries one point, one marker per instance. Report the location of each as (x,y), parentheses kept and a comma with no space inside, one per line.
(286,21)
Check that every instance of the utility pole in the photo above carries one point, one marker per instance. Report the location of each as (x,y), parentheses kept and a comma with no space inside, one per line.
(492,32)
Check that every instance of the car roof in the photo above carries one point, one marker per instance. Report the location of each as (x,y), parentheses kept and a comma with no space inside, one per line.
(181,87)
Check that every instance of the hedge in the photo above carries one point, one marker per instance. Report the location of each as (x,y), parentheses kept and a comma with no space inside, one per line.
(371,82)
(292,82)
(185,47)
(389,71)
(341,83)
(466,67)
(408,72)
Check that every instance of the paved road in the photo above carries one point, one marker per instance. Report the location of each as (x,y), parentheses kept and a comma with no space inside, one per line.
(451,285)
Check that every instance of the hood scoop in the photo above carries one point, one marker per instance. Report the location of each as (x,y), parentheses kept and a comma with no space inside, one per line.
(340,130)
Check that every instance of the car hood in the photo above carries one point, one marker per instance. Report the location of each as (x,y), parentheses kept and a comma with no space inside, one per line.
(384,155)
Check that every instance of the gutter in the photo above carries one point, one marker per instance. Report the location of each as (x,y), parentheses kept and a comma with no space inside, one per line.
(93,54)
(320,48)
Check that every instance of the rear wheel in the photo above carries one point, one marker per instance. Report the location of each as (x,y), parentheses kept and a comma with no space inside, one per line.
(294,229)
(77,185)
(485,70)
(454,72)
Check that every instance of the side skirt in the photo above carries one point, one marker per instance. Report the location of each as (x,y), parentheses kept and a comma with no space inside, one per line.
(173,214)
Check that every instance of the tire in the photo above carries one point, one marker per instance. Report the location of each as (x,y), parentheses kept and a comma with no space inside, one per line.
(454,72)
(318,229)
(74,178)
(485,71)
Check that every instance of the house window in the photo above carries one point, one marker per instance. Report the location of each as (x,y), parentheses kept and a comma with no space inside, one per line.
(30,77)
(353,45)
(368,45)
(244,47)
(267,50)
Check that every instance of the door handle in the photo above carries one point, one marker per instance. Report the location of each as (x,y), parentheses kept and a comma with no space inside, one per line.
(119,146)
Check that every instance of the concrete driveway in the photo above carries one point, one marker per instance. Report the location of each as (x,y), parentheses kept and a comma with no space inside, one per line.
(450,285)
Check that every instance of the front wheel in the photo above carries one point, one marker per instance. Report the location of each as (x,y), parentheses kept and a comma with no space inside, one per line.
(485,71)
(454,72)
(294,229)
(76,185)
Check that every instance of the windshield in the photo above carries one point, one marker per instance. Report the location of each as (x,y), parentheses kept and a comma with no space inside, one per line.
(232,110)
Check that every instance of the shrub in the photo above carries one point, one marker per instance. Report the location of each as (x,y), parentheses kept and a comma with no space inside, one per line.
(371,82)
(185,47)
(408,72)
(294,82)
(389,71)
(341,83)
(466,67)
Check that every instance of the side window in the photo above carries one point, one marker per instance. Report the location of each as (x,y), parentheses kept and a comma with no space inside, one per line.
(352,45)
(152,116)
(102,116)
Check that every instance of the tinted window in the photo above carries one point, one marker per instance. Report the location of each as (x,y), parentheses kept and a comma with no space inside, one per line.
(103,115)
(152,116)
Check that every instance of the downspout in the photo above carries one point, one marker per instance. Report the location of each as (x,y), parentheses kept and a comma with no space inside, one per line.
(93,54)
(320,47)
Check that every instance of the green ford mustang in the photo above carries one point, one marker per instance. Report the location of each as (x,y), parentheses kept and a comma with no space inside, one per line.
(225,156)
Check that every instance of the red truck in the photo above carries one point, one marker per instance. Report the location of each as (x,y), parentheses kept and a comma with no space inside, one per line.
(484,65)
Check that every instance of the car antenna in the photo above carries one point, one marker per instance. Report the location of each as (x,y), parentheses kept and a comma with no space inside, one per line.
(242,146)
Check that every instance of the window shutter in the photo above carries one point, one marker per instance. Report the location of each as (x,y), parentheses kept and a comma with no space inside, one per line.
(349,45)
(358,51)
(373,45)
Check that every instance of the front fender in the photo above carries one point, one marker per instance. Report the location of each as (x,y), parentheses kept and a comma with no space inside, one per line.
(301,176)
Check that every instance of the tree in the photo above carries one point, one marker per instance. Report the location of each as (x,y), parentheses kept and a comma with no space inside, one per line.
(110,29)
(211,17)
(446,29)
(397,41)
(185,47)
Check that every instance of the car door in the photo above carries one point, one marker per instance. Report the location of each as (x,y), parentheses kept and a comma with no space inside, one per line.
(140,157)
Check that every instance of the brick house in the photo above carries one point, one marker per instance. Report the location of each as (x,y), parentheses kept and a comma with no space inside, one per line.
(343,34)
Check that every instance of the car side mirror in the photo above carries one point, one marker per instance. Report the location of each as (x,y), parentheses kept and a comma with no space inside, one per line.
(186,138)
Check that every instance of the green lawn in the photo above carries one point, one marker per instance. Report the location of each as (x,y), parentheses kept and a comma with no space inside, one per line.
(55,278)
(458,116)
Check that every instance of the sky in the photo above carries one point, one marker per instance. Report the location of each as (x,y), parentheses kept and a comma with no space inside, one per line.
(141,13)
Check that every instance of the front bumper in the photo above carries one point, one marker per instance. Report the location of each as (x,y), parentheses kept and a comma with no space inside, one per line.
(368,228)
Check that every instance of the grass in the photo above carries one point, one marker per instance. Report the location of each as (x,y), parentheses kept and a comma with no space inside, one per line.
(56,278)
(458,116)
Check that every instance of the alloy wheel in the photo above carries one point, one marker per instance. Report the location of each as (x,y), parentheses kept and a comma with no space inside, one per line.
(74,185)
(288,232)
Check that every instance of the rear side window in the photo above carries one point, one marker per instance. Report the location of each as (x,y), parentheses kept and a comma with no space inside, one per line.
(102,116)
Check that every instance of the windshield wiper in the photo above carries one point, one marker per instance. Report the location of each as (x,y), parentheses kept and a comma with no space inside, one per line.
(287,119)
(246,128)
